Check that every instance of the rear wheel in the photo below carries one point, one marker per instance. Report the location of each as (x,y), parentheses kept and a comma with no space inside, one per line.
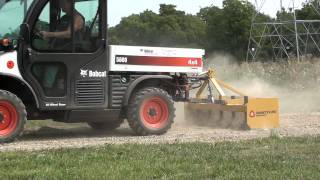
(13,117)
(151,111)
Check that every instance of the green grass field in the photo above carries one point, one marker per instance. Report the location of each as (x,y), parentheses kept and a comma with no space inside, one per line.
(271,158)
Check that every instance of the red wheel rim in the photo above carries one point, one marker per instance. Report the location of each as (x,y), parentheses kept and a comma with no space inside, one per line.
(8,117)
(154,112)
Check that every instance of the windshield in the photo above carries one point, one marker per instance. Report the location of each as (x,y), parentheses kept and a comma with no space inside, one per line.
(12,13)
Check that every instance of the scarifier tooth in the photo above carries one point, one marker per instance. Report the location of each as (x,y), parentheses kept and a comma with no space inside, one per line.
(215,118)
(226,120)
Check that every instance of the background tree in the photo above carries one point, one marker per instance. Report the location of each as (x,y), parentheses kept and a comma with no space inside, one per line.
(168,28)
(228,29)
(309,11)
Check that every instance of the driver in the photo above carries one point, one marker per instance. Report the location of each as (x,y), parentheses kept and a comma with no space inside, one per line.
(62,35)
(61,38)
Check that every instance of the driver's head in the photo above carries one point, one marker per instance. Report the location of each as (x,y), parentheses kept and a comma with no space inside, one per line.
(66,5)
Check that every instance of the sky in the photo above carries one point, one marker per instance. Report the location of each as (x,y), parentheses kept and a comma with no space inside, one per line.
(121,8)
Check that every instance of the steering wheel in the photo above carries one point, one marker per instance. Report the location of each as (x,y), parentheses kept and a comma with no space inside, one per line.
(37,34)
(50,42)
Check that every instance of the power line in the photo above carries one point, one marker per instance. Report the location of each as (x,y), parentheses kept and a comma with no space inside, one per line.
(282,37)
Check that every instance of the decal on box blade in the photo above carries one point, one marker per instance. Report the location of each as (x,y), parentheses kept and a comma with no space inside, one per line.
(261,113)
(252,114)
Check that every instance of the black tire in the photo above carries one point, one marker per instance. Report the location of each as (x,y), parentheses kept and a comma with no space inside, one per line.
(13,117)
(161,110)
(105,126)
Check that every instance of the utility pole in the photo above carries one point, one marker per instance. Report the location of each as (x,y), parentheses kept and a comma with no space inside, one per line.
(280,38)
(296,30)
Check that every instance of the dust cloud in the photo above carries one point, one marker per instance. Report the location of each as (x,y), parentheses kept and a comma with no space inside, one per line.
(296,84)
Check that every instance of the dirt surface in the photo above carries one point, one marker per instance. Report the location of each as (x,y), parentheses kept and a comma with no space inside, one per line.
(50,135)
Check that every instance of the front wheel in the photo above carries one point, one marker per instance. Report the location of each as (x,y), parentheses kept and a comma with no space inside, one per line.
(151,111)
(13,117)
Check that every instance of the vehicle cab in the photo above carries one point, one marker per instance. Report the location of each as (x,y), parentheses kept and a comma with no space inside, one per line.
(56,65)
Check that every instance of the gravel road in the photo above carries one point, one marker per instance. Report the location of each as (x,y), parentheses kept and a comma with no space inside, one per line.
(58,135)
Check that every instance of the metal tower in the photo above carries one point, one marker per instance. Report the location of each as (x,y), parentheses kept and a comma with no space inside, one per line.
(284,36)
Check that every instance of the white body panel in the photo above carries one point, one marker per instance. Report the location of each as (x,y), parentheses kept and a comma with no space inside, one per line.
(138,51)
(10,57)
(156,59)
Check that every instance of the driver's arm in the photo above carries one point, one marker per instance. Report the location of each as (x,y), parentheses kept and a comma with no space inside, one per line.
(78,24)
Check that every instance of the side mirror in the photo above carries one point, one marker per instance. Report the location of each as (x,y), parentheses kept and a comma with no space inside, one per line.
(25,32)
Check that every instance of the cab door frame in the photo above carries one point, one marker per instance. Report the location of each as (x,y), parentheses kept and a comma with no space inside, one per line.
(74,62)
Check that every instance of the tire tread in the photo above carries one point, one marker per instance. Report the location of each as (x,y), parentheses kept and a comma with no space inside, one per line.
(21,109)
